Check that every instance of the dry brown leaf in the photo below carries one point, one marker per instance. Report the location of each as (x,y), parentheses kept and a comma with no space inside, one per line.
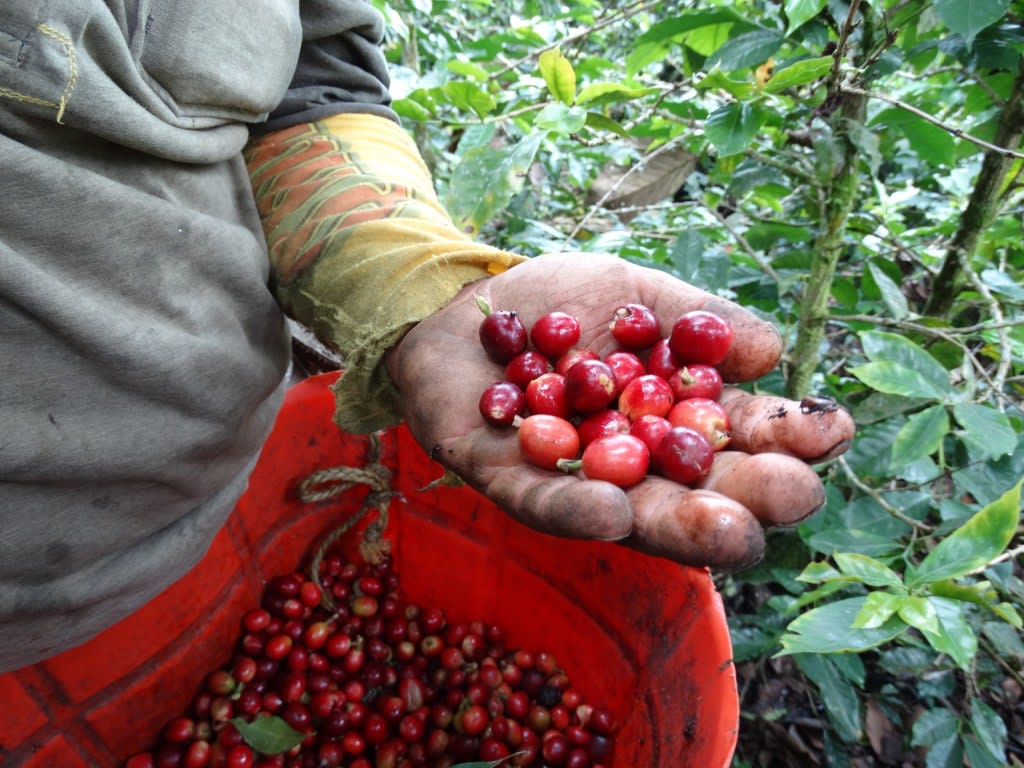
(654,180)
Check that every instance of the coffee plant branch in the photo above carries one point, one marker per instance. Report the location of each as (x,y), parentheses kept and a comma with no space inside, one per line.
(635,168)
(863,487)
(957,132)
(614,18)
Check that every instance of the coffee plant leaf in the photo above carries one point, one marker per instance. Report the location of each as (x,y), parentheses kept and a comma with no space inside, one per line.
(732,127)
(989,727)
(798,73)
(920,436)
(968,17)
(747,50)
(559,75)
(973,545)
(986,431)
(268,734)
(829,629)
(868,570)
(954,635)
(838,696)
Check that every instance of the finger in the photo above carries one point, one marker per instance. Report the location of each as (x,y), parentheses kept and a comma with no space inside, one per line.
(769,424)
(756,346)
(609,282)
(694,527)
(779,490)
(551,502)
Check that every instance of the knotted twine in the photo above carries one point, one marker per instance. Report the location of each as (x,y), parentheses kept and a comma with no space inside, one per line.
(328,483)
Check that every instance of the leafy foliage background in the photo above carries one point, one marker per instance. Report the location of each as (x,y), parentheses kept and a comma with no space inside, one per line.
(854,173)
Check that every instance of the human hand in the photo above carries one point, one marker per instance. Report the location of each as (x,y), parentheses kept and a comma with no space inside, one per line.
(763,479)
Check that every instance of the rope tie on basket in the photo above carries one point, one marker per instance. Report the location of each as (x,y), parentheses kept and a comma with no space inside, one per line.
(328,483)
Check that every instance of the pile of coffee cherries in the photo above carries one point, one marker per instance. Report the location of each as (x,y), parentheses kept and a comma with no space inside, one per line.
(369,680)
(651,406)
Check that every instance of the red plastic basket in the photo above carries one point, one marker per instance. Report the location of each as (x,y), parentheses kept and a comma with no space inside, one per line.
(640,635)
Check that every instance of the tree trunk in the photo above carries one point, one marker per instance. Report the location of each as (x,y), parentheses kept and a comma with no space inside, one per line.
(982,205)
(841,197)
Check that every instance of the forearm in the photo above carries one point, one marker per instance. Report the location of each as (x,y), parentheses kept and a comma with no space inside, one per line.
(360,247)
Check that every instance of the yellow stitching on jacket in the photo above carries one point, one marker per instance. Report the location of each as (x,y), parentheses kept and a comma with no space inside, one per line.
(64,40)
(17,96)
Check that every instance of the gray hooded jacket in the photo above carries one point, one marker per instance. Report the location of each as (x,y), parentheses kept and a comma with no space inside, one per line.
(141,352)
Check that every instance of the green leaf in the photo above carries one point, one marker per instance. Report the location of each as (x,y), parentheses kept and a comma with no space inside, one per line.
(892,296)
(600,122)
(412,110)
(866,141)
(799,12)
(653,44)
(486,179)
(829,629)
(562,119)
(896,379)
(687,254)
(979,593)
(815,595)
(932,726)
(868,570)
(469,97)
(750,49)
(946,753)
(954,636)
(972,545)
(918,612)
(839,697)
(989,727)
(968,17)
(1000,282)
(610,93)
(1004,638)
(882,345)
(862,525)
(268,734)
(732,127)
(978,756)
(878,608)
(985,429)
(817,572)
(559,75)
(901,367)
(716,79)
(929,142)
(489,763)
(920,436)
(467,69)
(798,73)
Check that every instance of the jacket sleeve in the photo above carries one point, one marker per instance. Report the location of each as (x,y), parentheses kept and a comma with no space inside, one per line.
(341,65)
(360,247)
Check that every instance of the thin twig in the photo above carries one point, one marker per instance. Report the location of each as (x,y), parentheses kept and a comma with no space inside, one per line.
(639,165)
(1009,554)
(745,246)
(957,132)
(1005,348)
(949,336)
(621,15)
(837,56)
(861,486)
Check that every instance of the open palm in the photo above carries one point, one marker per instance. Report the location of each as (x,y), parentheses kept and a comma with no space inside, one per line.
(764,479)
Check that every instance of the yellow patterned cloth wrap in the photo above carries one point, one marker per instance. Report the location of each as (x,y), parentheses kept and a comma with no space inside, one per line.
(360,247)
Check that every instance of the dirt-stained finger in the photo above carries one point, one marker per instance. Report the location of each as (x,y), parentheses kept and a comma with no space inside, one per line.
(695,527)
(756,347)
(779,490)
(563,506)
(560,504)
(812,430)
